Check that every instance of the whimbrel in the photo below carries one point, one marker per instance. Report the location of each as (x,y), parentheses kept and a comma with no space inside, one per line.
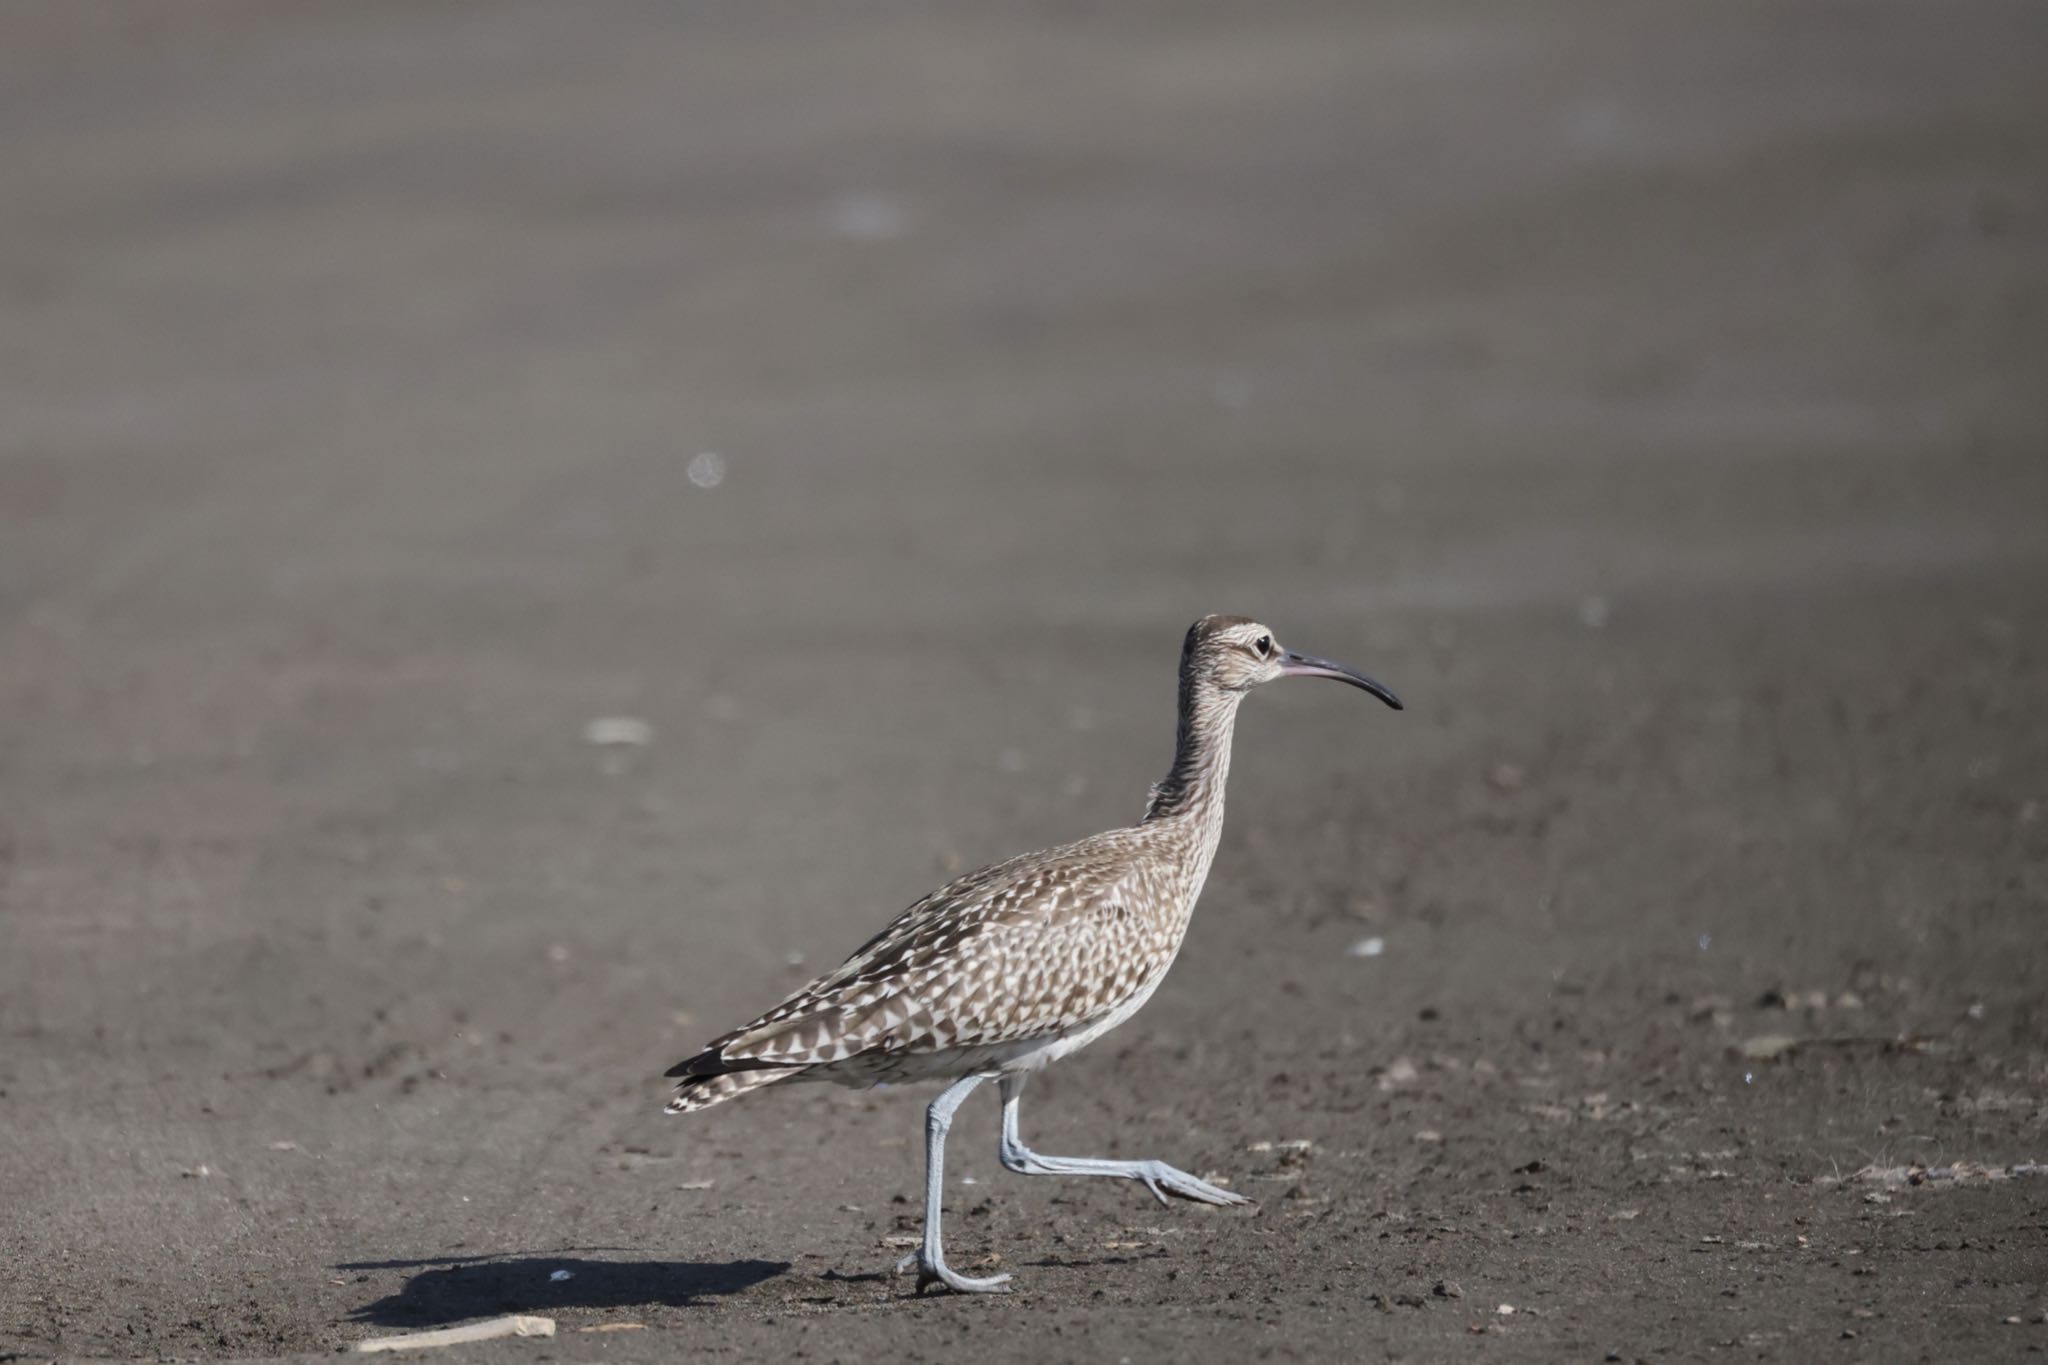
(1001,971)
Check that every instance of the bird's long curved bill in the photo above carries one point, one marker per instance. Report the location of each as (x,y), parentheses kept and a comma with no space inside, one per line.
(1296,665)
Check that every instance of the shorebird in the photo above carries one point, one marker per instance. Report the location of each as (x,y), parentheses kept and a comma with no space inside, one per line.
(1004,970)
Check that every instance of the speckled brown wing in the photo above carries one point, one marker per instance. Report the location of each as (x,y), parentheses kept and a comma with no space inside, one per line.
(1021,950)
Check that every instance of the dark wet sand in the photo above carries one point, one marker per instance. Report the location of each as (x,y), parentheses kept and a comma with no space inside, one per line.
(1653,394)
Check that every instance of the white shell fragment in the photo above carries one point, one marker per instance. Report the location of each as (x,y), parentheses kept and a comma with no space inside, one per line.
(626,730)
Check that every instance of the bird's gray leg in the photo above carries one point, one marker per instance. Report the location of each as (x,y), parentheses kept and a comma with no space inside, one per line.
(930,1260)
(1156,1176)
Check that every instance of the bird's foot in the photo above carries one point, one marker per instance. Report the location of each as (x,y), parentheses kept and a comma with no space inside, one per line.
(1163,1180)
(936,1271)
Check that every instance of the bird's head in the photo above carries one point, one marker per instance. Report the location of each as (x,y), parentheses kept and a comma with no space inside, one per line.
(1237,654)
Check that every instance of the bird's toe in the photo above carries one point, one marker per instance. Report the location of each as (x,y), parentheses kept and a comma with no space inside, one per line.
(1189,1187)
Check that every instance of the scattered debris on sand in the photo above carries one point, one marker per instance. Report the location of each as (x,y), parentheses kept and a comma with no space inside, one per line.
(1917,1175)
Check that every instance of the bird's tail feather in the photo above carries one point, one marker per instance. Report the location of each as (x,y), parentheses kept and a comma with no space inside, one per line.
(701,1092)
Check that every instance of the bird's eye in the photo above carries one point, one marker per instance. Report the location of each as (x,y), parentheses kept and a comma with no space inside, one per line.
(1263,645)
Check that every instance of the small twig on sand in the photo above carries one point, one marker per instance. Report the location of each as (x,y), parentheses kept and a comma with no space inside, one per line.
(1770,1047)
(517,1325)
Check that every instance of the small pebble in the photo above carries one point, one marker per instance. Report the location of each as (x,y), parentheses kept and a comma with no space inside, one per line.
(707,470)
(866,216)
(1768,1047)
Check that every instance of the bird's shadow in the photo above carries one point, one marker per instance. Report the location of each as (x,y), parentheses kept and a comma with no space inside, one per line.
(455,1289)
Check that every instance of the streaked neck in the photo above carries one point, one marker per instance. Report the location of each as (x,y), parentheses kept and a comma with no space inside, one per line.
(1193,787)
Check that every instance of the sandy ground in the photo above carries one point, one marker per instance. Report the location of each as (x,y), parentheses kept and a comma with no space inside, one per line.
(1652,393)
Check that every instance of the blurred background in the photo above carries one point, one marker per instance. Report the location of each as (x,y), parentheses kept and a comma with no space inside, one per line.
(527,531)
